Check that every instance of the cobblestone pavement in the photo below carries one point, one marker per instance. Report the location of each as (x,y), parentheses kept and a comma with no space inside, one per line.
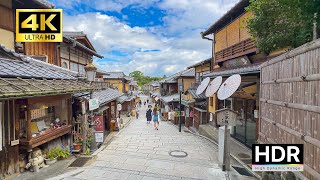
(141,152)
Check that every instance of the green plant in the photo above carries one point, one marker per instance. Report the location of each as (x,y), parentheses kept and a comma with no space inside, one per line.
(58,152)
(277,24)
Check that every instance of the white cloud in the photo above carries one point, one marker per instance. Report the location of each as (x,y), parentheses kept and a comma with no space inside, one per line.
(178,41)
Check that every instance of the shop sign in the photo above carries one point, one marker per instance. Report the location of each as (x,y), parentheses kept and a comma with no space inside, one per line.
(226,117)
(15,142)
(93,104)
(99,128)
(99,137)
(98,123)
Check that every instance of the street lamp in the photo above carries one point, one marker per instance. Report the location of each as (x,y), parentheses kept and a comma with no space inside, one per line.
(91,71)
(180,106)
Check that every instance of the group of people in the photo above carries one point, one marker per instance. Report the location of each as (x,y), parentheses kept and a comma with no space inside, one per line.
(154,115)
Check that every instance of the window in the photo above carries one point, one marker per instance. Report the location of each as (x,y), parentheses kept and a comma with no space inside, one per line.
(1,111)
(74,67)
(198,77)
(81,69)
(65,65)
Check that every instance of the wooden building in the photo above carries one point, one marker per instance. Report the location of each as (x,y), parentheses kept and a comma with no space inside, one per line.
(7,20)
(234,52)
(289,103)
(36,107)
(118,80)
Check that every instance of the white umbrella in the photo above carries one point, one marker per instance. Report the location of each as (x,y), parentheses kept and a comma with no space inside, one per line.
(203,86)
(214,86)
(229,87)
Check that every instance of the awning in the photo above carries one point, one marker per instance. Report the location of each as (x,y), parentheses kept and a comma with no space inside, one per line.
(242,71)
(18,87)
(200,110)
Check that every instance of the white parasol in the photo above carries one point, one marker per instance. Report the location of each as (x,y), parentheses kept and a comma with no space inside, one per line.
(229,87)
(203,86)
(214,86)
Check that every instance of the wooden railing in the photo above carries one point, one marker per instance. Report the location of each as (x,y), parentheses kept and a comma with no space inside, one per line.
(243,48)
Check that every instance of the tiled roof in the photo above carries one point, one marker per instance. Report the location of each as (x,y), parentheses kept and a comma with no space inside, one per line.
(184,73)
(189,73)
(114,75)
(73,34)
(107,95)
(193,93)
(103,96)
(100,71)
(18,87)
(245,70)
(200,63)
(17,65)
(155,84)
(72,40)
(170,98)
(44,3)
(133,83)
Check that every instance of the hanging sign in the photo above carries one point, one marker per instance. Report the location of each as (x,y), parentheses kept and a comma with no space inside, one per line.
(99,128)
(226,117)
(93,104)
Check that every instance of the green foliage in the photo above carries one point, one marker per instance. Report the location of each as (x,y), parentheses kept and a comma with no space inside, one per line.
(142,79)
(58,153)
(278,24)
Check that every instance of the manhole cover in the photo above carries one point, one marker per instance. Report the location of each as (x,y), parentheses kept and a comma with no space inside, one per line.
(80,161)
(178,153)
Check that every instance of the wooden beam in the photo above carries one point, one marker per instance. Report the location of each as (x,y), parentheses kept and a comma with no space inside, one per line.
(302,136)
(305,107)
(312,77)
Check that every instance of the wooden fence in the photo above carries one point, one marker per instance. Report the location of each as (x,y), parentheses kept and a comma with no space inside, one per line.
(290,103)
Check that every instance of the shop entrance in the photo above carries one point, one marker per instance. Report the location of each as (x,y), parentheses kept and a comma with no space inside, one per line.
(245,130)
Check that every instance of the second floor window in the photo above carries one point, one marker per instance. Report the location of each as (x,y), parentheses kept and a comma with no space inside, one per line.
(74,67)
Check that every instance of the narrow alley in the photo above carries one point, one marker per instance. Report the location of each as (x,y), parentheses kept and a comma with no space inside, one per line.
(141,152)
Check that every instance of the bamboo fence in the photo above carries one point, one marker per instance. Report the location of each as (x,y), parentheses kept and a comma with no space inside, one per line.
(290,103)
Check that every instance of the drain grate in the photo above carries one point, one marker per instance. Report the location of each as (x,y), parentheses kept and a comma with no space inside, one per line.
(178,154)
(242,171)
(80,161)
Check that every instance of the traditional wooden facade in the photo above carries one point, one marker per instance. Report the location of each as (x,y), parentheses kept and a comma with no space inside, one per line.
(234,52)
(118,80)
(290,108)
(35,107)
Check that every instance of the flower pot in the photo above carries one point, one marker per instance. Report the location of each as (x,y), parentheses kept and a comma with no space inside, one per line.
(49,161)
(76,146)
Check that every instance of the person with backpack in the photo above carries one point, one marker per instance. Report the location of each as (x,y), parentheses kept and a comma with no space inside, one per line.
(149,115)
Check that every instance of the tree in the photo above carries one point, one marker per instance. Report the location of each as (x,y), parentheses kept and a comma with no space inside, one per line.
(278,24)
(142,79)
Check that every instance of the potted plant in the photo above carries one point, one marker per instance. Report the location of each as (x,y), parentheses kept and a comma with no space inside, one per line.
(51,156)
(78,142)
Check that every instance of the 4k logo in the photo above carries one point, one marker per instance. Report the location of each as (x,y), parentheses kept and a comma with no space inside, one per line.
(39,25)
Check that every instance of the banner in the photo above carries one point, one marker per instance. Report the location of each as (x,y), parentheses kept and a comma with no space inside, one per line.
(99,128)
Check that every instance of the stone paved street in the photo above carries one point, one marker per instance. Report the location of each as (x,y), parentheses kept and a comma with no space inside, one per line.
(140,152)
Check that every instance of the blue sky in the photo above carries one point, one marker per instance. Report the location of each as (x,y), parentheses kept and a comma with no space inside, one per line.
(157,37)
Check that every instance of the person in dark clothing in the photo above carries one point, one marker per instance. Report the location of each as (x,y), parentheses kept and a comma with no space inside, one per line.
(149,115)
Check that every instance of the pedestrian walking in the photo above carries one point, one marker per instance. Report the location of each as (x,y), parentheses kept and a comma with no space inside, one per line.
(155,118)
(149,115)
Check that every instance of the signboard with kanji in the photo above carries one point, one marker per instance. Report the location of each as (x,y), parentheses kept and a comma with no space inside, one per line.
(99,128)
(226,117)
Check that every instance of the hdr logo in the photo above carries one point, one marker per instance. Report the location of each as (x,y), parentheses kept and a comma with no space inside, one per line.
(39,25)
(277,157)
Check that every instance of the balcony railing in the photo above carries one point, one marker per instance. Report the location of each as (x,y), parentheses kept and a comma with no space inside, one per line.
(243,48)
